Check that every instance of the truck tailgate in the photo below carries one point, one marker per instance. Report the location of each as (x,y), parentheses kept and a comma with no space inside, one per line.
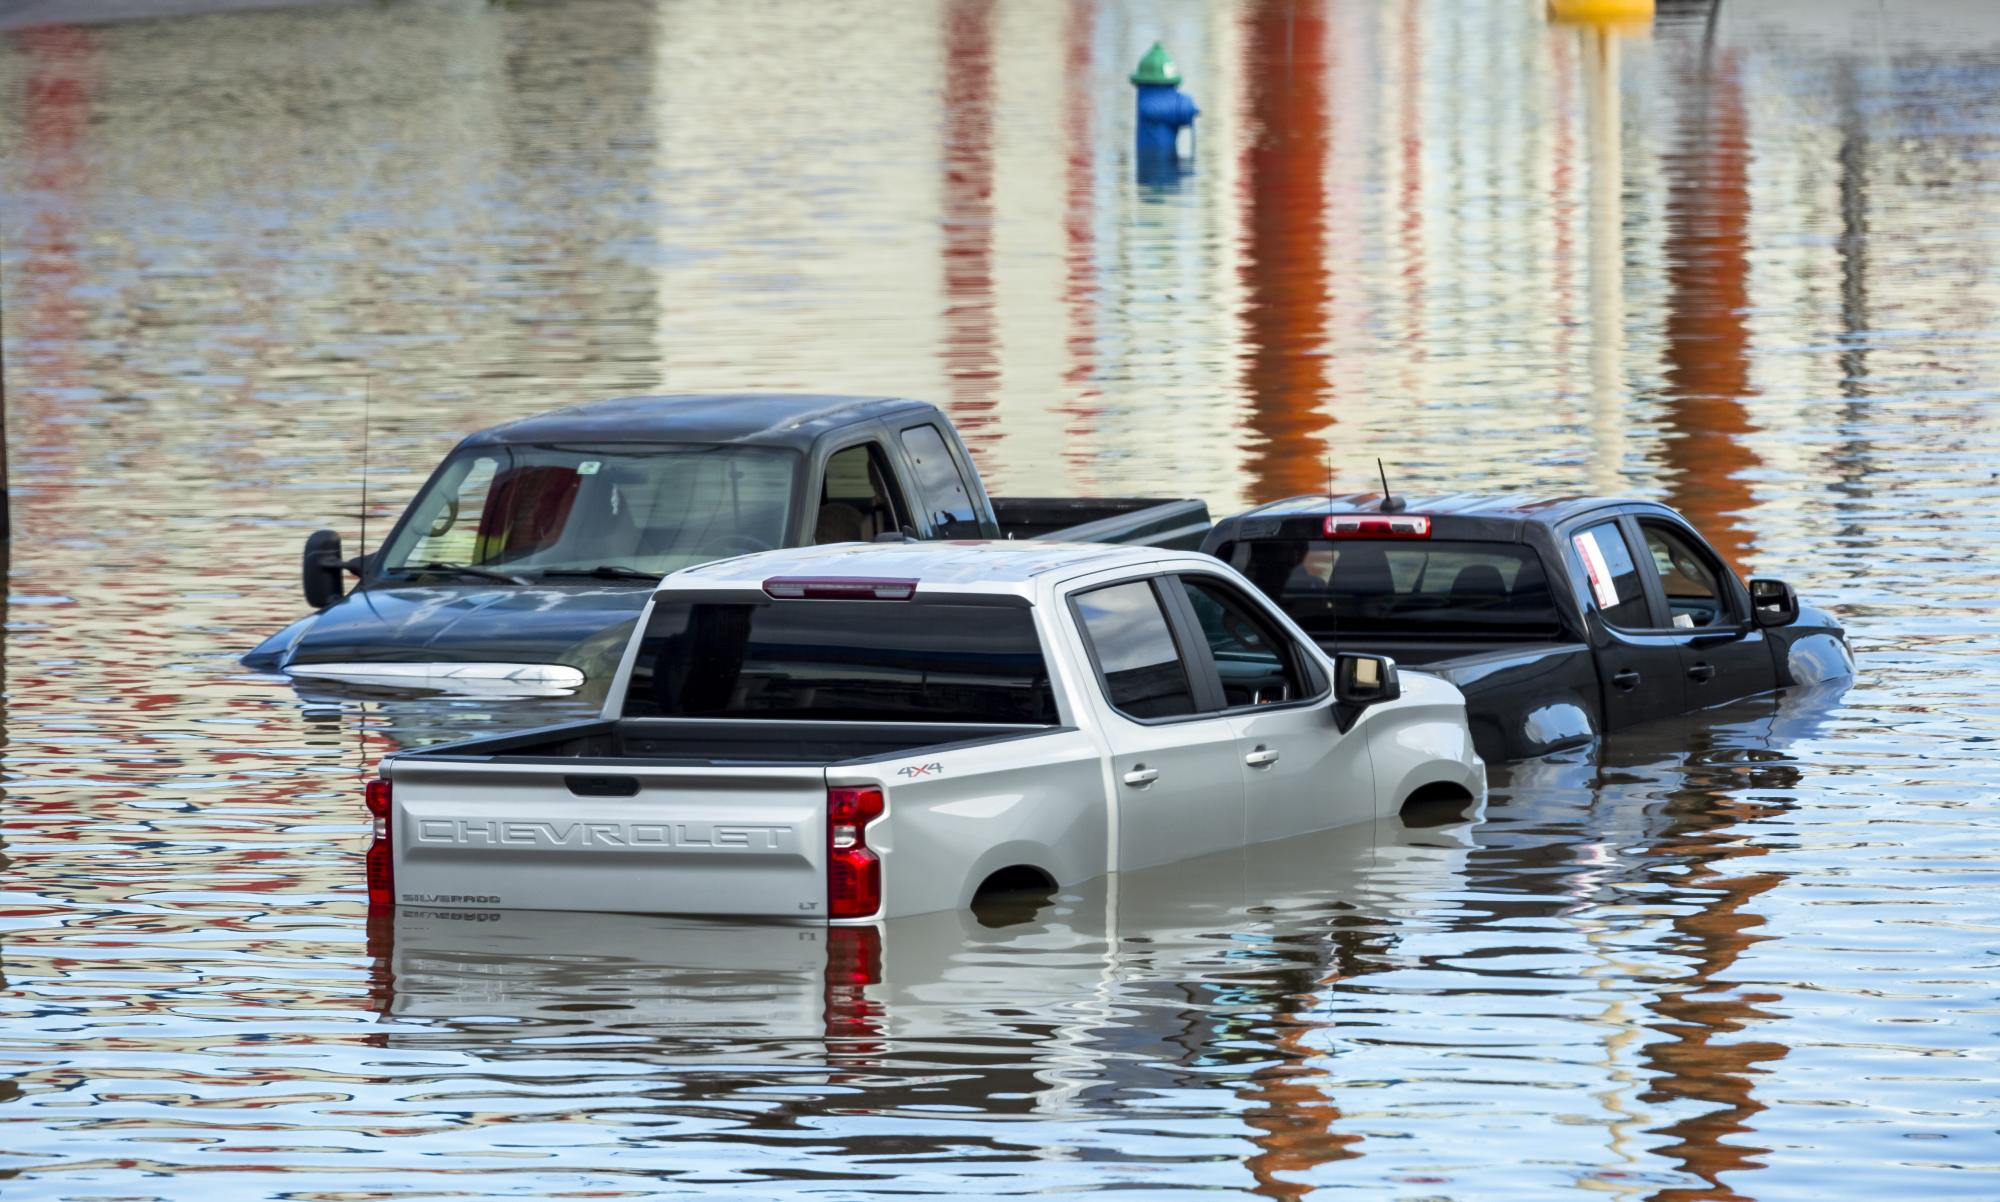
(633,839)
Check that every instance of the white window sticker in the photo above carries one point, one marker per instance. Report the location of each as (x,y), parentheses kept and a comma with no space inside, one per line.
(589,467)
(1601,585)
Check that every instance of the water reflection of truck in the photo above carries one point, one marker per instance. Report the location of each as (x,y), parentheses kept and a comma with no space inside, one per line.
(857,732)
(1560,619)
(694,991)
(523,561)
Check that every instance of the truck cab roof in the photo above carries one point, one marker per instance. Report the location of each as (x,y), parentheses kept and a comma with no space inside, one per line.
(1000,566)
(794,420)
(1477,516)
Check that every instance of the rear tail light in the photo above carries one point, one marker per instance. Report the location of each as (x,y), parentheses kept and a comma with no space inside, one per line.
(1357,525)
(839,588)
(853,871)
(381,859)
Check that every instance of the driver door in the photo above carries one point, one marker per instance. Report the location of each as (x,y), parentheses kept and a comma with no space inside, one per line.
(1300,772)
(1724,655)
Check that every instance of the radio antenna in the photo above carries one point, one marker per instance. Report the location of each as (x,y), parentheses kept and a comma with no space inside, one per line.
(1391,503)
(367,397)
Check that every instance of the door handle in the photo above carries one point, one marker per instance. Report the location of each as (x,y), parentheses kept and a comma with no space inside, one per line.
(1702,673)
(1627,679)
(1263,757)
(1141,776)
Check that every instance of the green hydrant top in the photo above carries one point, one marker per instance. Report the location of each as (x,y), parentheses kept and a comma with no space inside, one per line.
(1157,69)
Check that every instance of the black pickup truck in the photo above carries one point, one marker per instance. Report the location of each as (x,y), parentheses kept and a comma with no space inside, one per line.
(1559,618)
(522,563)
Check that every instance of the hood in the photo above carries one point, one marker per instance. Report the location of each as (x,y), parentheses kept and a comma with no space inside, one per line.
(585,627)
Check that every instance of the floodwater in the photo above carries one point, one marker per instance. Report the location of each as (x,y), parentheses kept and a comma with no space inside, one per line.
(1743,261)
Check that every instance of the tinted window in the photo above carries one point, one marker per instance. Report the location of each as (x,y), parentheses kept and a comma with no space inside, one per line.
(1694,597)
(1613,575)
(952,512)
(1253,657)
(860,661)
(1386,586)
(1143,673)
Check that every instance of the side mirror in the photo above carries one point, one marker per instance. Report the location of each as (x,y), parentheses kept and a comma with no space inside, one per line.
(1360,681)
(1773,603)
(322,570)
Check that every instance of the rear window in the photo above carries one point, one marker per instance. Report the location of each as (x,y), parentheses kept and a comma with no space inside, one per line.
(1386,586)
(844,661)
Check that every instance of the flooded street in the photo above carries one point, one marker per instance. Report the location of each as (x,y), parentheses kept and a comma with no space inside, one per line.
(1746,262)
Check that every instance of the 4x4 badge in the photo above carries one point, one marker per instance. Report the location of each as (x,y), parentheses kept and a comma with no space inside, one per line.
(915,770)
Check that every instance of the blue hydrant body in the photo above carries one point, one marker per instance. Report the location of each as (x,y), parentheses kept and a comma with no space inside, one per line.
(1163,111)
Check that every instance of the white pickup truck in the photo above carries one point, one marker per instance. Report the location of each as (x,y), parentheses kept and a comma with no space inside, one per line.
(863,731)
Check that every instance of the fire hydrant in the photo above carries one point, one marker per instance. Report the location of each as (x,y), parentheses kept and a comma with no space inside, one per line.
(1163,112)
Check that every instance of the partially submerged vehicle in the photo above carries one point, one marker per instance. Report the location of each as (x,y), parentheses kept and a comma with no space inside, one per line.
(522,563)
(860,732)
(1559,618)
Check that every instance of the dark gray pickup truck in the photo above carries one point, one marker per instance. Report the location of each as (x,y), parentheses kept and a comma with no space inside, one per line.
(522,563)
(1559,619)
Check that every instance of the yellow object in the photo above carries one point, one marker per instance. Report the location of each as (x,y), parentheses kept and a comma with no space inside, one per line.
(1600,12)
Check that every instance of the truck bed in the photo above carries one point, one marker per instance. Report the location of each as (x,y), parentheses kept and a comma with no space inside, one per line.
(721,743)
(1143,521)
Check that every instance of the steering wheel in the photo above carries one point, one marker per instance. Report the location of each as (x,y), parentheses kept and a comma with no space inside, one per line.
(735,544)
(443,522)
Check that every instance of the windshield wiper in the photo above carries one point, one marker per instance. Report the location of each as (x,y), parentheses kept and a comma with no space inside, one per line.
(605,571)
(461,569)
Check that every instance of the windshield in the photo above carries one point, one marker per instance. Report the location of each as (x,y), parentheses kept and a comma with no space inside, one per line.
(1369,586)
(522,511)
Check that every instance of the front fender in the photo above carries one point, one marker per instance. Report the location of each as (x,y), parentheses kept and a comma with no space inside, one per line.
(269,655)
(1815,649)
(1421,739)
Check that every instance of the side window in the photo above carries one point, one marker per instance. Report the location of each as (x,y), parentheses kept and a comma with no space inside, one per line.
(858,499)
(1614,577)
(952,512)
(1127,631)
(1255,659)
(1694,593)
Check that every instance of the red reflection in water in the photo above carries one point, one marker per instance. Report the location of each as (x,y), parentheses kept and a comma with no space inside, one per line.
(853,1020)
(55,105)
(971,350)
(1410,197)
(1079,249)
(1284,271)
(1708,342)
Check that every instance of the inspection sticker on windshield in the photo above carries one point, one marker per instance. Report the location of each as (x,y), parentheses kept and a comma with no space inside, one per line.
(589,467)
(1600,572)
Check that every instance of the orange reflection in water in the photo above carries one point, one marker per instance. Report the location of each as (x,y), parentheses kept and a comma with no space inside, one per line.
(1704,1059)
(1284,262)
(1708,340)
(971,349)
(1293,1111)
